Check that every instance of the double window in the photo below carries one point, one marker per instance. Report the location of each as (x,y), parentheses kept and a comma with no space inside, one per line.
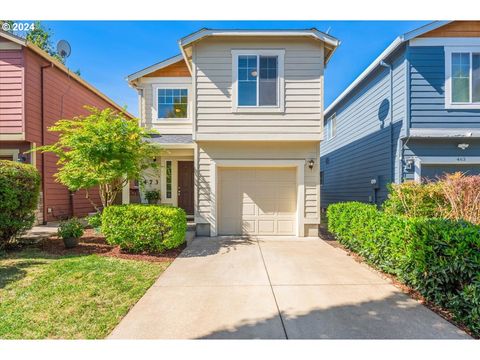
(172,103)
(258,79)
(331,127)
(462,78)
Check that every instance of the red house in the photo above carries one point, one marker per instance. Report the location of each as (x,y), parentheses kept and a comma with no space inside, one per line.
(35,91)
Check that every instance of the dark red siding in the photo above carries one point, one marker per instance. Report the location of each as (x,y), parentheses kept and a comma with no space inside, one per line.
(11,94)
(63,98)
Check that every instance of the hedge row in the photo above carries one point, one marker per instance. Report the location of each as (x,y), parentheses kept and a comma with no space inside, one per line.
(137,228)
(19,192)
(439,258)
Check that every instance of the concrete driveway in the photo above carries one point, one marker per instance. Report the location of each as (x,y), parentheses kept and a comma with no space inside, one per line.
(231,288)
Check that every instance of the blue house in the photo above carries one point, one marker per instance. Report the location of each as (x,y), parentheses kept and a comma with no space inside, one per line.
(413,114)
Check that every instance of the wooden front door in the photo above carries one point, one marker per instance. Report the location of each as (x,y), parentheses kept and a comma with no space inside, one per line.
(185,186)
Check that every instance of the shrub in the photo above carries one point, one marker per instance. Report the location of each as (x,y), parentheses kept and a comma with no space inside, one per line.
(462,194)
(415,200)
(152,196)
(71,228)
(453,196)
(438,257)
(95,221)
(137,227)
(19,192)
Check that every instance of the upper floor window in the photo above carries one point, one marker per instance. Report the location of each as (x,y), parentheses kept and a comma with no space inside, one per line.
(258,80)
(462,74)
(172,103)
(331,127)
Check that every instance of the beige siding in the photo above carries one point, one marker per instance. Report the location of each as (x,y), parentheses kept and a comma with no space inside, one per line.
(261,151)
(148,112)
(303,73)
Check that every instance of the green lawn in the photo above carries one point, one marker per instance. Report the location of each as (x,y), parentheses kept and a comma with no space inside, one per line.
(69,297)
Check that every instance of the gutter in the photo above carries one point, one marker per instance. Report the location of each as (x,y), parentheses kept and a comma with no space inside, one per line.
(42,134)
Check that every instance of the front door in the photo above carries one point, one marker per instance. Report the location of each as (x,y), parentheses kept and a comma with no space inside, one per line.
(185,186)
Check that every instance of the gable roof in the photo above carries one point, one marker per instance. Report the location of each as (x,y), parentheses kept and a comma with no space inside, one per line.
(23,42)
(331,42)
(155,67)
(387,52)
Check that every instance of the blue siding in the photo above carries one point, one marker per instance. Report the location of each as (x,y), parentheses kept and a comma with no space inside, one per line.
(427,92)
(360,150)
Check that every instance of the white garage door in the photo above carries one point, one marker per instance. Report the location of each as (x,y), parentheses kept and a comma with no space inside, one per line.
(257,201)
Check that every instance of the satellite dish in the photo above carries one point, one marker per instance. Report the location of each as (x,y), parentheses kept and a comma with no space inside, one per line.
(63,49)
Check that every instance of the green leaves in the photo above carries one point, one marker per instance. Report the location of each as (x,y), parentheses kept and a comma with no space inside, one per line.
(438,257)
(19,192)
(138,228)
(100,149)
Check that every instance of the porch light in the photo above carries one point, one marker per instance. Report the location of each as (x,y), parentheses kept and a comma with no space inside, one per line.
(463,146)
(254,73)
(311,162)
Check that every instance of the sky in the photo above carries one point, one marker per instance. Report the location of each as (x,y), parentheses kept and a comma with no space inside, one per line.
(106,52)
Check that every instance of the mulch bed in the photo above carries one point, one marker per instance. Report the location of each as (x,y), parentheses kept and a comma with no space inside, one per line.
(330,239)
(94,243)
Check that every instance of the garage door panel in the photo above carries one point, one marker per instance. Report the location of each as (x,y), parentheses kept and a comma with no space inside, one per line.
(266,226)
(286,226)
(264,198)
(248,227)
(433,172)
(249,209)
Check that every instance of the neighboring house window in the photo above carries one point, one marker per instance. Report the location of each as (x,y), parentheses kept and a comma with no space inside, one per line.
(462,74)
(258,76)
(331,127)
(322,178)
(172,103)
(168,179)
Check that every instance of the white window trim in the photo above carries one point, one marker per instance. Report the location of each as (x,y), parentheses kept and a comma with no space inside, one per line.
(330,120)
(448,77)
(172,83)
(280,53)
(10,152)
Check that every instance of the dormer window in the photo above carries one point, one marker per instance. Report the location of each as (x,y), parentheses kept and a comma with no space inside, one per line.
(257,80)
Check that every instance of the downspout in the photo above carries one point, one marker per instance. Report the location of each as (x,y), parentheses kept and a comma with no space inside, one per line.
(392,155)
(42,134)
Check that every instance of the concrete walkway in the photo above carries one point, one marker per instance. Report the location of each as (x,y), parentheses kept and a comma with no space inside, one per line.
(229,288)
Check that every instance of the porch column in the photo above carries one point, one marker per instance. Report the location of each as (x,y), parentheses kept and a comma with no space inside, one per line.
(126,193)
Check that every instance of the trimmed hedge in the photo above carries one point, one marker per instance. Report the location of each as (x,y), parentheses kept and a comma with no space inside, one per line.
(19,192)
(137,228)
(440,258)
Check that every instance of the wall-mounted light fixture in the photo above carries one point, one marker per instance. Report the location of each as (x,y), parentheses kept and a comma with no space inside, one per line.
(463,146)
(409,164)
(311,163)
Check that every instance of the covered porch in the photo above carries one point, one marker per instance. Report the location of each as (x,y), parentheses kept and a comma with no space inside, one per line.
(173,178)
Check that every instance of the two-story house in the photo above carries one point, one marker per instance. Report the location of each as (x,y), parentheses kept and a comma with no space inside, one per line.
(36,90)
(413,114)
(240,116)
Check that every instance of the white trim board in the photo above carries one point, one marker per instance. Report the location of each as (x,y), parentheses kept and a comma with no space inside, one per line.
(10,152)
(442,160)
(445,41)
(196,36)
